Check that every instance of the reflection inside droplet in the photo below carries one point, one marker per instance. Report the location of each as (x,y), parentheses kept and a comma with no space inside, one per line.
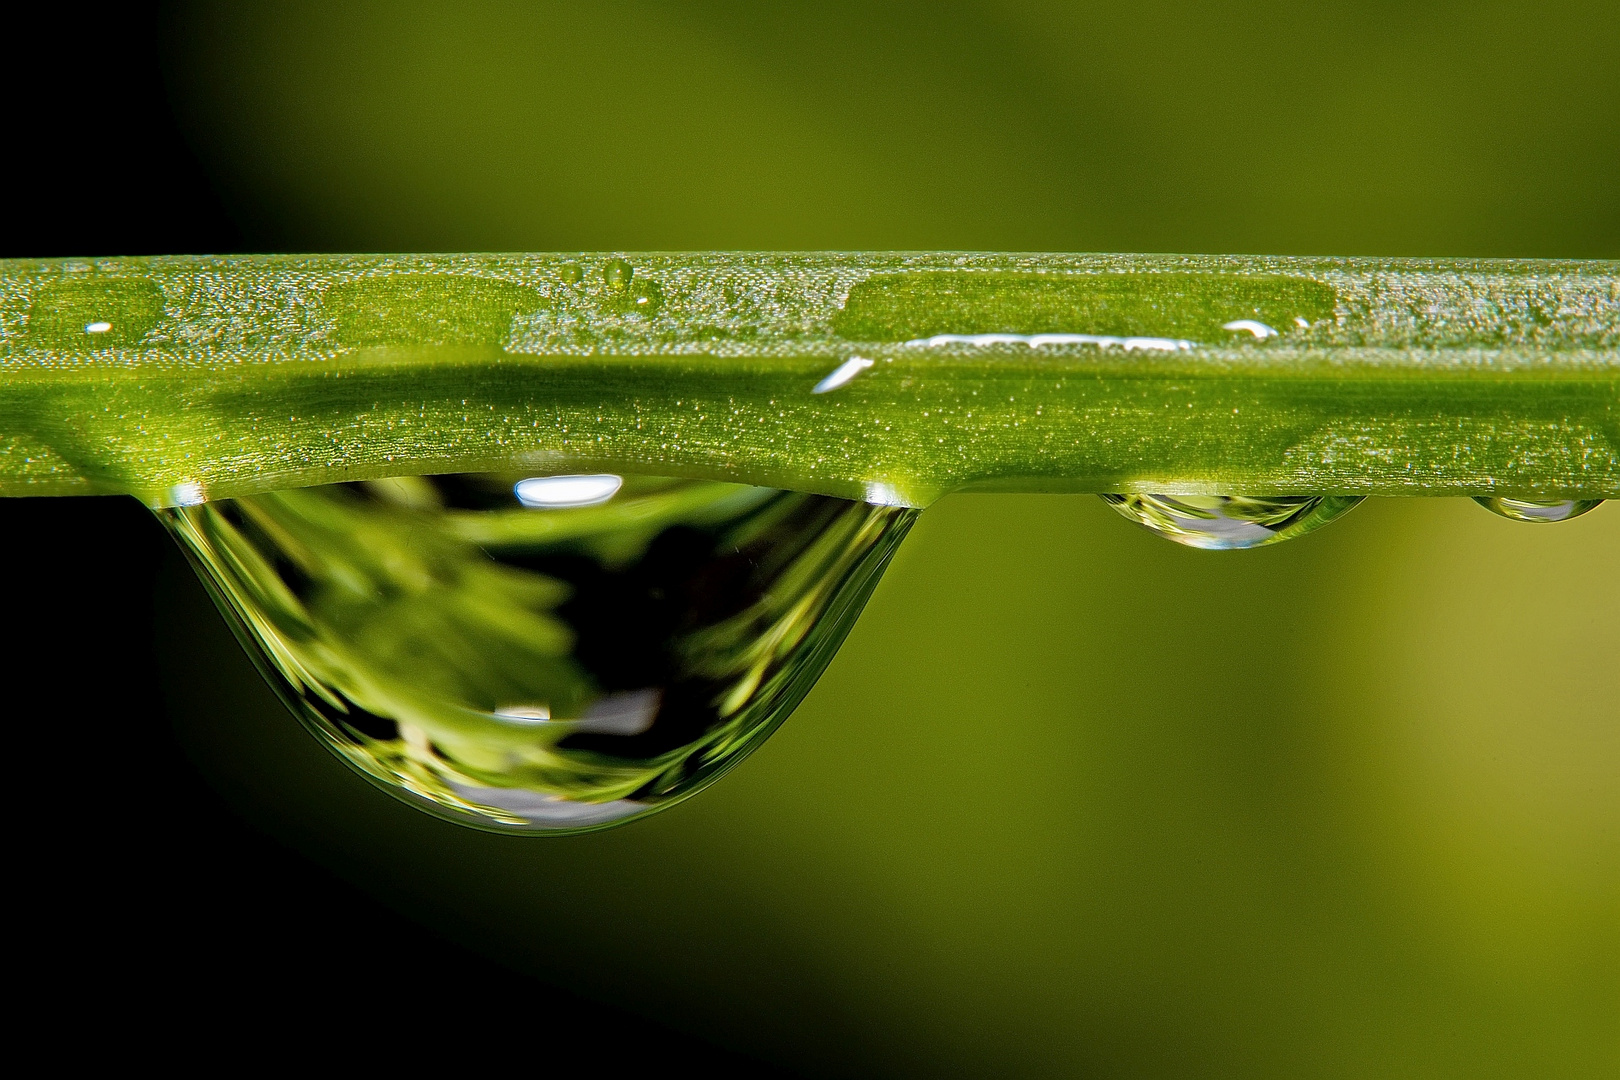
(533,669)
(842,374)
(1538,510)
(554,492)
(1259,329)
(97,327)
(1231,522)
(629,713)
(529,714)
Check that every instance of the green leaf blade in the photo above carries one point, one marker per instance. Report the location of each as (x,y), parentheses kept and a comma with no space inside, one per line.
(258,373)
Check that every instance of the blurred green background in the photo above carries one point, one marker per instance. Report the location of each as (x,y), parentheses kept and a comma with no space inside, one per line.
(1071,801)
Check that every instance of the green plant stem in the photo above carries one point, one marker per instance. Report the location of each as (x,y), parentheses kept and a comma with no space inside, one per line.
(176,378)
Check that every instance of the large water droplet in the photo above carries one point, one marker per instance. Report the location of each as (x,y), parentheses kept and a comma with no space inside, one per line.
(1538,509)
(511,658)
(1226,522)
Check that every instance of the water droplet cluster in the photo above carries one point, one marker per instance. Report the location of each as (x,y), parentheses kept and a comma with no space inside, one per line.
(569,651)
(1233,522)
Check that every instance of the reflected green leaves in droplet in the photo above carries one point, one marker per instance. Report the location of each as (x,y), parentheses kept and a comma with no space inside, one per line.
(1538,510)
(559,661)
(1231,522)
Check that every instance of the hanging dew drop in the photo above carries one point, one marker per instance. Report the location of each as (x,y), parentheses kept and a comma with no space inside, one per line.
(540,653)
(1231,522)
(1538,510)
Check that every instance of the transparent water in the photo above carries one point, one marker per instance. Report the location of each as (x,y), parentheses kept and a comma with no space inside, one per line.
(1230,522)
(565,652)
(541,653)
(1534,510)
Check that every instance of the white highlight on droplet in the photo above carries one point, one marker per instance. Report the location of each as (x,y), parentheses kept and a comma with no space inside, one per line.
(525,714)
(560,492)
(628,713)
(1259,329)
(187,493)
(1036,341)
(842,374)
(881,494)
(97,327)
(624,714)
(1302,322)
(548,810)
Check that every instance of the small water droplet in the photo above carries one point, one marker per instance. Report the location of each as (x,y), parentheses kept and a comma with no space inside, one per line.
(112,311)
(1230,522)
(421,309)
(918,305)
(543,666)
(1538,509)
(1252,326)
(628,294)
(617,275)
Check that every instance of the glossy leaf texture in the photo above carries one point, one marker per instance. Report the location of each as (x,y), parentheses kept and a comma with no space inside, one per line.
(891,378)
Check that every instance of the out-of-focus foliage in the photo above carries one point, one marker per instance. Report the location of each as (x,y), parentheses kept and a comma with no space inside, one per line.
(1439,127)
(1071,800)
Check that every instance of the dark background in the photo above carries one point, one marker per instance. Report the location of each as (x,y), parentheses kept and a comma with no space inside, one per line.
(1071,801)
(150,902)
